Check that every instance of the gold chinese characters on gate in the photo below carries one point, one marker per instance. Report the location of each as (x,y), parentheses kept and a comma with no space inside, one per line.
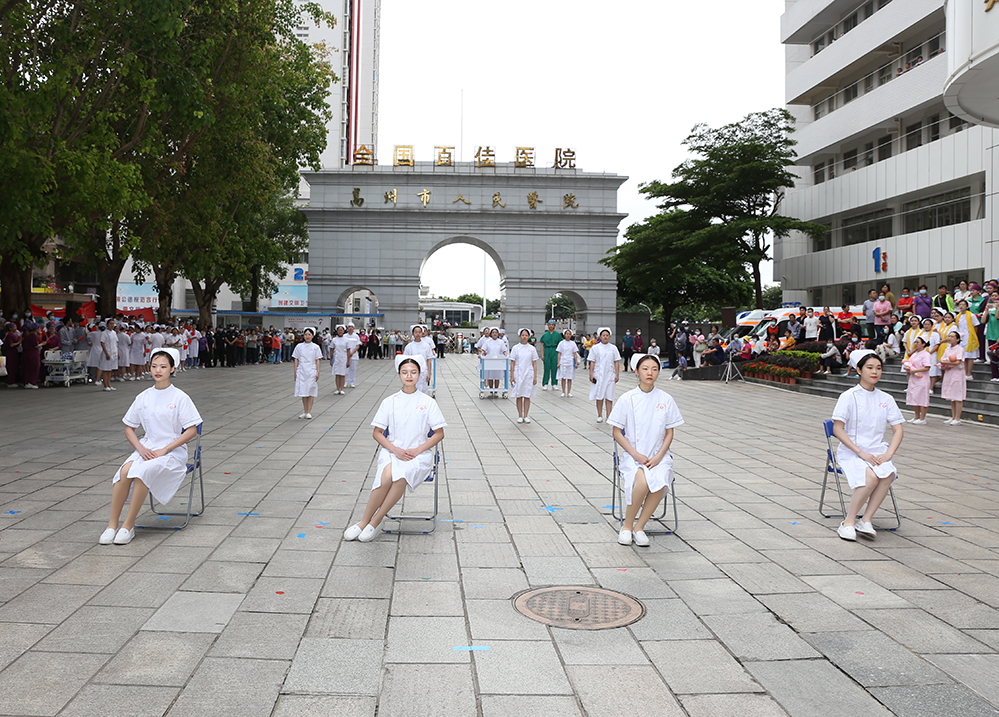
(485,156)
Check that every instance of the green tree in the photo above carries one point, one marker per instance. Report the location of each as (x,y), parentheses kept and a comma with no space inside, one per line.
(660,266)
(562,305)
(735,185)
(470,299)
(773,297)
(493,306)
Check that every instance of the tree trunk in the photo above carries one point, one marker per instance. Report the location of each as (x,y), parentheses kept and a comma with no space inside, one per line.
(757,284)
(165,275)
(205,296)
(254,302)
(109,272)
(16,282)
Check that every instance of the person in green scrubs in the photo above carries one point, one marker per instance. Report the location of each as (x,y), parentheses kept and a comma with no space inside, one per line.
(550,340)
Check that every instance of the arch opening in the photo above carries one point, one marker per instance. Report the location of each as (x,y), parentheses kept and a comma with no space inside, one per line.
(455,276)
(568,308)
(359,300)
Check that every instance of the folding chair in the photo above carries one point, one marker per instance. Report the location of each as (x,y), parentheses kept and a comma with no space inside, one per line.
(833,469)
(192,469)
(431,478)
(619,506)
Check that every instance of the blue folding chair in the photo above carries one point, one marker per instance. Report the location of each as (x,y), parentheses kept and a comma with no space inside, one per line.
(431,478)
(833,469)
(619,505)
(192,469)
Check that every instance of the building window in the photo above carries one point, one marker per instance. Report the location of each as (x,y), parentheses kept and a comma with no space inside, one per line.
(941,210)
(914,136)
(850,23)
(868,9)
(819,45)
(819,173)
(869,154)
(849,294)
(871,226)
(851,92)
(823,242)
(957,123)
(850,159)
(934,128)
(884,148)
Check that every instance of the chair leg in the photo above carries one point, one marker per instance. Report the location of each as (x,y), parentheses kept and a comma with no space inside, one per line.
(190,513)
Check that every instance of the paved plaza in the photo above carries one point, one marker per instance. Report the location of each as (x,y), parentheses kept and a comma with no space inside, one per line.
(755,608)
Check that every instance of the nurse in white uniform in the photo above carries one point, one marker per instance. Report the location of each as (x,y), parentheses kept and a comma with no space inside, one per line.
(406,457)
(523,375)
(605,371)
(339,355)
(353,346)
(493,347)
(859,420)
(107,359)
(137,353)
(419,347)
(308,355)
(643,422)
(169,420)
(568,359)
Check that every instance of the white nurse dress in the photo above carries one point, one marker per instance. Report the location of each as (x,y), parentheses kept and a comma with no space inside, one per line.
(645,418)
(567,351)
(418,348)
(603,357)
(864,415)
(306,376)
(523,356)
(409,418)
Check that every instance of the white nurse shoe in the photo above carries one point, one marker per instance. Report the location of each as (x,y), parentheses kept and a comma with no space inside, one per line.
(107,537)
(352,532)
(368,534)
(124,537)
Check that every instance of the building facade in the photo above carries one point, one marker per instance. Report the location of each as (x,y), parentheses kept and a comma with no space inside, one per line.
(906,187)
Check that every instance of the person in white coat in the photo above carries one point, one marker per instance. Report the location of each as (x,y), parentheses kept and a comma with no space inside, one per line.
(353,346)
(402,427)
(93,342)
(137,353)
(568,360)
(107,359)
(124,344)
(169,420)
(308,356)
(493,347)
(859,420)
(340,357)
(643,422)
(605,372)
(523,375)
(419,347)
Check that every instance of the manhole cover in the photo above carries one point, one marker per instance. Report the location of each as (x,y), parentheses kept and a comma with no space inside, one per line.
(579,608)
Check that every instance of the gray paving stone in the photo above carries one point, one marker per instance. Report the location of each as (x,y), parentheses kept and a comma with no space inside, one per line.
(91,570)
(350,618)
(529,706)
(622,690)
(954,607)
(986,637)
(260,635)
(759,636)
(854,592)
(172,559)
(497,620)
(162,659)
(47,603)
(492,583)
(18,638)
(980,673)
(331,666)
(443,690)
(556,571)
(812,612)
(715,597)
(487,555)
(515,666)
(426,598)
(298,564)
(875,660)
(668,620)
(894,576)
(726,705)
(246,550)
(48,554)
(381,552)
(351,581)
(933,700)
(683,566)
(805,562)
(598,647)
(223,577)
(921,632)
(41,683)
(642,583)
(194,612)
(139,590)
(803,688)
(609,555)
(121,699)
(698,666)
(324,706)
(96,629)
(283,595)
(764,578)
(727,551)
(232,686)
(426,640)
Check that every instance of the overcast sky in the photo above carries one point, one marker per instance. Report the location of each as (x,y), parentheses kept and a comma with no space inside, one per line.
(622,82)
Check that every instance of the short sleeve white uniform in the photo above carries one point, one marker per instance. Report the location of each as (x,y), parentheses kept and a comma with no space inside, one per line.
(409,418)
(418,348)
(493,348)
(354,344)
(523,356)
(306,376)
(603,357)
(137,351)
(644,419)
(338,346)
(124,346)
(109,361)
(567,351)
(864,415)
(164,415)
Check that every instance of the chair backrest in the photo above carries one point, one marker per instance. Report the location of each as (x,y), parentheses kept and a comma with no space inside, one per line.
(53,355)
(828,425)
(197,446)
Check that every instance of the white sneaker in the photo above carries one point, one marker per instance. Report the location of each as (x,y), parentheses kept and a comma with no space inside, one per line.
(352,532)
(994,380)
(563,394)
(921,422)
(301,415)
(124,537)
(910,420)
(113,388)
(544,388)
(866,529)
(368,534)
(107,537)
(641,539)
(847,532)
(308,416)
(568,395)
(624,537)
(108,389)
(956,422)
(600,419)
(526,419)
(520,419)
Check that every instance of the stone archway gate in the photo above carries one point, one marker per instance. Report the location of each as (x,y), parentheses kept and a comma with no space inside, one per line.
(547,229)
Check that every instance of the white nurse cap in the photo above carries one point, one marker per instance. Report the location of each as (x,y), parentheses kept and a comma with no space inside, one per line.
(855,356)
(173,353)
(420,361)
(604,328)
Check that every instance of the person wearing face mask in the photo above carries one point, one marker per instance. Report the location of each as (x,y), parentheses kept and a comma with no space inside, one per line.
(639,343)
(811,324)
(627,348)
(831,358)
(904,305)
(882,318)
(922,302)
(869,317)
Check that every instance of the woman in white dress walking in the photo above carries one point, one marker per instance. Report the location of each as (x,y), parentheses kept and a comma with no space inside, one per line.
(419,347)
(859,420)
(493,347)
(568,359)
(308,356)
(643,422)
(605,372)
(169,420)
(406,457)
(340,356)
(523,375)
